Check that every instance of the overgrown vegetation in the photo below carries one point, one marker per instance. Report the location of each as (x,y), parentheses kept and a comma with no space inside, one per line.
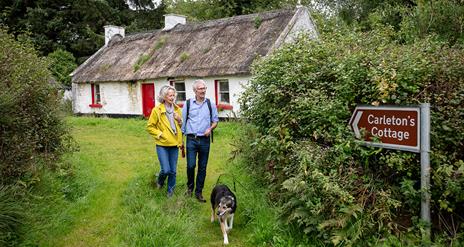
(184,56)
(140,61)
(32,132)
(159,44)
(257,21)
(414,19)
(31,127)
(327,185)
(10,215)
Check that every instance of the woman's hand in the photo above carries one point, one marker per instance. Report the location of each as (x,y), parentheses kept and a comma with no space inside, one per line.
(178,118)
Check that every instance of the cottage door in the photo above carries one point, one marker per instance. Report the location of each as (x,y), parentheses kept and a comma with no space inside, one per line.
(148,98)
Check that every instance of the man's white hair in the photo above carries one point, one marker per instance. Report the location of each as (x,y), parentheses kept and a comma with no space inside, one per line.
(195,84)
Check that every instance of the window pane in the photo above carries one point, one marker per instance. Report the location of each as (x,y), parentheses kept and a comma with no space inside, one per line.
(224,86)
(224,98)
(97,93)
(180,97)
(179,86)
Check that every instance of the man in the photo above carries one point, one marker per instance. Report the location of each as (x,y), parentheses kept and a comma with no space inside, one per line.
(199,122)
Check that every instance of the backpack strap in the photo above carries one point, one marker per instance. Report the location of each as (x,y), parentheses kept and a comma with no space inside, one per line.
(188,111)
(210,114)
(210,117)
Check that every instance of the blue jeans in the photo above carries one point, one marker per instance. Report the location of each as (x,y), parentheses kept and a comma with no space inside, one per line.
(197,147)
(167,157)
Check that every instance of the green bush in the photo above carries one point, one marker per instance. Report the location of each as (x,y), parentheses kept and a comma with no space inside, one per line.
(31,127)
(300,101)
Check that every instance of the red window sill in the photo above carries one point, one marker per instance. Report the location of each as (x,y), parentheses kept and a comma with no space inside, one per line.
(225,107)
(96,105)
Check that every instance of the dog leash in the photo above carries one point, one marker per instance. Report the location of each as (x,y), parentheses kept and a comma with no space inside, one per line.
(233,179)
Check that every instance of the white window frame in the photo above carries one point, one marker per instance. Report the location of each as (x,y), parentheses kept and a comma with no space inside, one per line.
(220,98)
(173,83)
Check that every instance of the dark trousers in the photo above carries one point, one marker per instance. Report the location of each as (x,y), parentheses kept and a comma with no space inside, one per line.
(197,147)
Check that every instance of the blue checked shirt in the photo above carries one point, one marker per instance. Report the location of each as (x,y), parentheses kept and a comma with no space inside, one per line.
(199,119)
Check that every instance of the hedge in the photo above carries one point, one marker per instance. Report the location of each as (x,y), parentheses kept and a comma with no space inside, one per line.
(32,128)
(329,186)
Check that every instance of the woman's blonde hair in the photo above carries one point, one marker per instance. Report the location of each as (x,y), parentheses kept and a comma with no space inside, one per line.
(164,91)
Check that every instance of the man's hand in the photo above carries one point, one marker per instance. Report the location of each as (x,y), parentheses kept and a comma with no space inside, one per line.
(207,132)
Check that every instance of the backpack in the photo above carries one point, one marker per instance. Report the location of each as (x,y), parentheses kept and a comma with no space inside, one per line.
(210,115)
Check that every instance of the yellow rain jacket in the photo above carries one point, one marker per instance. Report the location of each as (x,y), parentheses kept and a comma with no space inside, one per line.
(159,127)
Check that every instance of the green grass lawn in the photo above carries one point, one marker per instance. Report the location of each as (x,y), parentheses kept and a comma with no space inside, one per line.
(109,200)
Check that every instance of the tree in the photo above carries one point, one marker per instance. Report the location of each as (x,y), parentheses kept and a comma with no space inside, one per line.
(147,18)
(415,18)
(214,9)
(62,65)
(75,26)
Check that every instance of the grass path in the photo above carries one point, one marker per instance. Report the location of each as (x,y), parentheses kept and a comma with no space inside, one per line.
(117,206)
(119,157)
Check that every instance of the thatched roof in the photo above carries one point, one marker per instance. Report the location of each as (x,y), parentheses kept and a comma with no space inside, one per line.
(219,47)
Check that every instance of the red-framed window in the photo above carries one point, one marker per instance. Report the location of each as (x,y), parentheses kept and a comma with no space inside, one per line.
(179,85)
(222,93)
(96,99)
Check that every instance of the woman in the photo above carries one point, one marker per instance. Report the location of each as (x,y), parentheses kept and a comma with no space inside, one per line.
(164,125)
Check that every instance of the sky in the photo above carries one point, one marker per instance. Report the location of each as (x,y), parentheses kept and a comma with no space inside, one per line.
(131,6)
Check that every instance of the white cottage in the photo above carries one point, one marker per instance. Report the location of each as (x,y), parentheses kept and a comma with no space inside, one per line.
(122,77)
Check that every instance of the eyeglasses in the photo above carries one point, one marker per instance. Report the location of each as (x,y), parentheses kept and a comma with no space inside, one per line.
(201,88)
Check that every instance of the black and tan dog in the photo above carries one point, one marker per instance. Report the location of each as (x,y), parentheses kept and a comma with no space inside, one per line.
(225,202)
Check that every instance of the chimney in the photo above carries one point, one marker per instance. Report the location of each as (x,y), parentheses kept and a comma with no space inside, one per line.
(111,30)
(171,20)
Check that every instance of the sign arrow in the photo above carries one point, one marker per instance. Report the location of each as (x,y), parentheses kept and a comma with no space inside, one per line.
(354,124)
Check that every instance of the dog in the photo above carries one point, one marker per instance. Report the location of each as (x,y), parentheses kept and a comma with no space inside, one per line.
(225,202)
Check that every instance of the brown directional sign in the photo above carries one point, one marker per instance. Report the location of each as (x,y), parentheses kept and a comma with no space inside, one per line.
(391,127)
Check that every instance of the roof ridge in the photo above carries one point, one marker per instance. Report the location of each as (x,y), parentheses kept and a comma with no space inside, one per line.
(212,22)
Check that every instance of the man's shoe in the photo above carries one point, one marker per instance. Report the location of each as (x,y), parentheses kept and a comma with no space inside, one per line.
(188,193)
(158,186)
(170,194)
(200,198)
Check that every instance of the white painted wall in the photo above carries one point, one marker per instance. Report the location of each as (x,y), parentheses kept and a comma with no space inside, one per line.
(126,98)
(235,89)
(116,98)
